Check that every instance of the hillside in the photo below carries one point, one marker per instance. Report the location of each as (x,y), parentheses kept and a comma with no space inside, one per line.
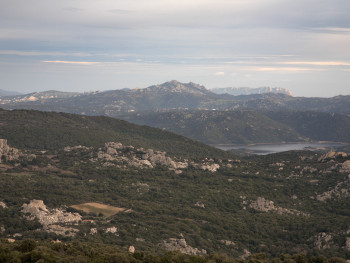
(244,127)
(166,96)
(27,129)
(219,127)
(86,179)
(316,125)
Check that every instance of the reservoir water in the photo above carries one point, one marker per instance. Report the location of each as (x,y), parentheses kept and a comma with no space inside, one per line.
(263,149)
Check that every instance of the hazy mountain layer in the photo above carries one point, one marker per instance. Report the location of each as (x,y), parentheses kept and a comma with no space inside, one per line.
(248,91)
(8,93)
(170,95)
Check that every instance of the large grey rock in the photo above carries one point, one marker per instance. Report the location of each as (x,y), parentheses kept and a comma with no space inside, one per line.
(8,153)
(50,218)
(263,205)
(173,244)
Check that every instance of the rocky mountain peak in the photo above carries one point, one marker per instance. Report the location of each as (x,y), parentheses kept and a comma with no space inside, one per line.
(178,87)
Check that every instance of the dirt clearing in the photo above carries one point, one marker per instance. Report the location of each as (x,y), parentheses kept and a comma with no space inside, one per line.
(106,210)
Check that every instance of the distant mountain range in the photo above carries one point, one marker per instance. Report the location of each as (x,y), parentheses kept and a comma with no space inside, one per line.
(8,93)
(249,91)
(168,96)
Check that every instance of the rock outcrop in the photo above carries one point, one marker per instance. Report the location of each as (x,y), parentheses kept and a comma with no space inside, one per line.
(323,240)
(332,155)
(263,205)
(199,204)
(116,154)
(227,243)
(8,153)
(341,190)
(112,230)
(78,147)
(345,167)
(173,244)
(51,218)
(132,249)
(347,244)
(3,205)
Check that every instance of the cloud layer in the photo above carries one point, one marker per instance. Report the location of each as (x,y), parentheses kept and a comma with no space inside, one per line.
(300,45)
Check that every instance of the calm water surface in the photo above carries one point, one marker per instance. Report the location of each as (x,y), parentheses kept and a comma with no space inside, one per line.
(281,147)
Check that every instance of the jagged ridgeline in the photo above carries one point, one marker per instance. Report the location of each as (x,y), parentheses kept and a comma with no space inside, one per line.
(27,129)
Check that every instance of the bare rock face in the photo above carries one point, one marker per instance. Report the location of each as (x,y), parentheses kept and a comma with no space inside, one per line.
(323,240)
(199,204)
(93,231)
(345,167)
(245,254)
(227,243)
(210,167)
(7,153)
(79,147)
(263,205)
(51,218)
(116,152)
(63,231)
(341,190)
(112,230)
(347,244)
(173,244)
(3,205)
(332,155)
(132,249)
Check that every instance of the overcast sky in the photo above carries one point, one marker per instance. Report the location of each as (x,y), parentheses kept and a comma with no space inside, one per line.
(82,45)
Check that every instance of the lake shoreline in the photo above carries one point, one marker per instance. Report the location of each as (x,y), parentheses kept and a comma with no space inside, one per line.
(269,148)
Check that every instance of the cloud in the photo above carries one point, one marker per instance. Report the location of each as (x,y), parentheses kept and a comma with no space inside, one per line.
(220,73)
(87,63)
(282,69)
(73,9)
(42,53)
(120,11)
(317,63)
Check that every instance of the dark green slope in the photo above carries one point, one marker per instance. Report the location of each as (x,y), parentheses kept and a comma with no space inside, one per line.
(219,127)
(26,129)
(316,125)
(208,209)
(243,127)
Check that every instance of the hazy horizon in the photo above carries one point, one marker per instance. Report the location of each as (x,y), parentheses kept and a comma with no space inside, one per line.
(83,45)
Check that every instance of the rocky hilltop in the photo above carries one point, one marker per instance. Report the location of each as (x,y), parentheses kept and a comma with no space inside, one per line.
(178,87)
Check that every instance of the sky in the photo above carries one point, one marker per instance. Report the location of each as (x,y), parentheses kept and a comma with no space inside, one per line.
(88,45)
